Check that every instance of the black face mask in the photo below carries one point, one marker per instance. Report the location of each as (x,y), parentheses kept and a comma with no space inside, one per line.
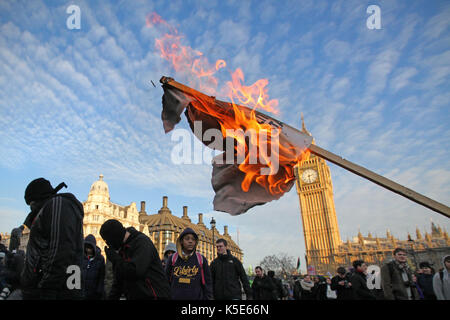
(113,232)
(115,243)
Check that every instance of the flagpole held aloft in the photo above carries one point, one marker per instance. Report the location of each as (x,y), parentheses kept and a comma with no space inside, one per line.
(298,139)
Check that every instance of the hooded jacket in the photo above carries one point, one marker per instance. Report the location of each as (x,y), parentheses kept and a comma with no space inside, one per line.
(139,274)
(93,271)
(227,275)
(185,276)
(442,287)
(55,243)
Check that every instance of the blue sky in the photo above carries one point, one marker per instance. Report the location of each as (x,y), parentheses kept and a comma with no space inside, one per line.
(77,103)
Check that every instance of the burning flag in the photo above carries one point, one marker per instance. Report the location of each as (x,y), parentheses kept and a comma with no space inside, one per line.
(245,174)
(259,152)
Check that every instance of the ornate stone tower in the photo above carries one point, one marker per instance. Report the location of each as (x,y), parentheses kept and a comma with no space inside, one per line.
(321,231)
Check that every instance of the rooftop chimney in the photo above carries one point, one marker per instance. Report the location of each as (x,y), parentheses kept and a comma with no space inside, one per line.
(142,208)
(164,208)
(200,219)
(225,231)
(185,214)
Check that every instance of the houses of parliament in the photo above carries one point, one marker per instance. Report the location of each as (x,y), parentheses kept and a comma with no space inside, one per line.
(325,251)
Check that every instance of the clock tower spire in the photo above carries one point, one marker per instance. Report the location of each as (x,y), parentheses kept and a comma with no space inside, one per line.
(320,227)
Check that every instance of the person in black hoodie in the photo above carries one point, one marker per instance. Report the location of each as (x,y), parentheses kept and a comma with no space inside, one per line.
(93,270)
(54,245)
(359,282)
(228,274)
(138,272)
(187,270)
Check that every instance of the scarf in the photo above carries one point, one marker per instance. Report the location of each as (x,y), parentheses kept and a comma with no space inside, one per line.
(306,285)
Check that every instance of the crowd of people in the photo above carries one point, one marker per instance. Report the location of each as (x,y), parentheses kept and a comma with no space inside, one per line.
(60,264)
(398,282)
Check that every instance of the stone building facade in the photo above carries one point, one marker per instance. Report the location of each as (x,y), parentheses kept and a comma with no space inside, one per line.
(164,227)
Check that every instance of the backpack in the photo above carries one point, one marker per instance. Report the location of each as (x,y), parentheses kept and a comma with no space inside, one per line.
(200,262)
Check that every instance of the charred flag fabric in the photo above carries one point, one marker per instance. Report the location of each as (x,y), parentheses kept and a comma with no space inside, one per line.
(238,186)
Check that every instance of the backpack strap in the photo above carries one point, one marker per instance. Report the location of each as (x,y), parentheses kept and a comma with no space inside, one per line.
(174,258)
(200,262)
(441,276)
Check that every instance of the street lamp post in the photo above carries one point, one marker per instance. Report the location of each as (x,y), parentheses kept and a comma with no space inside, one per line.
(411,243)
(213,225)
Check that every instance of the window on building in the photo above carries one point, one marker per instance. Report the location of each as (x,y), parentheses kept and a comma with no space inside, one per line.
(167,236)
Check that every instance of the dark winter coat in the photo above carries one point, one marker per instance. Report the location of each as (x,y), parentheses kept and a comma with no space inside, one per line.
(185,275)
(394,287)
(55,243)
(297,291)
(425,282)
(343,292)
(3,248)
(264,289)
(93,271)
(359,287)
(279,285)
(320,289)
(138,274)
(227,275)
(13,267)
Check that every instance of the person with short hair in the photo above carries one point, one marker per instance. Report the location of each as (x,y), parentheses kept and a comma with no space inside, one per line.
(263,287)
(342,285)
(358,282)
(397,279)
(228,275)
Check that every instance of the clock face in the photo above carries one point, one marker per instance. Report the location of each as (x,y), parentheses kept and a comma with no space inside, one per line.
(309,176)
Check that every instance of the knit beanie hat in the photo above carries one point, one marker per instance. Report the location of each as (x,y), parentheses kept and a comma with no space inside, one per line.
(40,189)
(113,232)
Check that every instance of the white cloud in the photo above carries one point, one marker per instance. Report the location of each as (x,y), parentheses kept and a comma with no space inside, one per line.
(402,78)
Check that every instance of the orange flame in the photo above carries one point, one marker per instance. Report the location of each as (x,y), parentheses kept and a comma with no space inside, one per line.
(196,66)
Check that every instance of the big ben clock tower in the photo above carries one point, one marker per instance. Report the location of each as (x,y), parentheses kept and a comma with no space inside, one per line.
(318,213)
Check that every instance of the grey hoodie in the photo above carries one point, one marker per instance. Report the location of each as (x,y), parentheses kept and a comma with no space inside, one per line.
(442,288)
